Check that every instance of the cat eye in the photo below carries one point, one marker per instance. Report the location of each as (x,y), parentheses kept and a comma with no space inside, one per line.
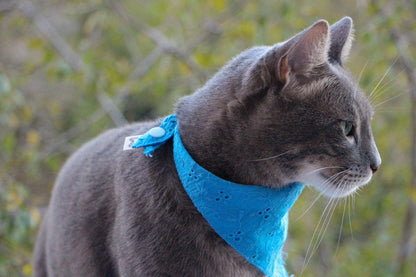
(347,128)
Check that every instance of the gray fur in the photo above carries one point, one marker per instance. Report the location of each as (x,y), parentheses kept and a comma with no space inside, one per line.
(341,40)
(119,213)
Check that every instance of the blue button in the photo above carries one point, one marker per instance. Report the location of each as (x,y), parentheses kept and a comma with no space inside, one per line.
(157,132)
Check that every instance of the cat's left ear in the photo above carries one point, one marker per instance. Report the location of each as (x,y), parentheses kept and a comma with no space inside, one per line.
(341,34)
(310,50)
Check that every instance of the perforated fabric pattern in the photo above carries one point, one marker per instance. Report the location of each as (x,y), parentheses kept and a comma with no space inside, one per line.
(252,219)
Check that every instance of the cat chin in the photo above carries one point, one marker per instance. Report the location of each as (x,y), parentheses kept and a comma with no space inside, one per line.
(334,192)
(331,189)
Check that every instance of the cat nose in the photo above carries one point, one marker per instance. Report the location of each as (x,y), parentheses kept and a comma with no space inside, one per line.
(374,167)
(374,157)
(375,162)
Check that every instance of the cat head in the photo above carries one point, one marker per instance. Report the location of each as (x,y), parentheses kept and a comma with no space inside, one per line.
(285,113)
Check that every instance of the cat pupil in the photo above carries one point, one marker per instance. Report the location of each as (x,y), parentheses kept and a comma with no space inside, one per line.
(347,128)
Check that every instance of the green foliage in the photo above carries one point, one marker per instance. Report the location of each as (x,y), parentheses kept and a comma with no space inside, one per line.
(49,107)
(18,223)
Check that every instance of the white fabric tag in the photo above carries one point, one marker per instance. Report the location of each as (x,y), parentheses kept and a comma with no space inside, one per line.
(129,141)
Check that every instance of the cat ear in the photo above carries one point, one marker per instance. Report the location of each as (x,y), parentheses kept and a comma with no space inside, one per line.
(309,50)
(341,34)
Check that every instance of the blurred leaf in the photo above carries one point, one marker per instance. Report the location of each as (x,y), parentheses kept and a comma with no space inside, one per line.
(27,269)
(4,84)
(33,138)
(8,143)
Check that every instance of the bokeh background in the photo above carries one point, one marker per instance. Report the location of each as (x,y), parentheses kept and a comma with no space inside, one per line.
(72,69)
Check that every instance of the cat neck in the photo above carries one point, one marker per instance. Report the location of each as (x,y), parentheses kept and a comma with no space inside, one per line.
(252,219)
(220,143)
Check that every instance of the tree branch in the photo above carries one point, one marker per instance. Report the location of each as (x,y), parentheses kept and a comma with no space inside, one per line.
(406,59)
(405,249)
(43,25)
(157,37)
(145,65)
(140,70)
(7,5)
(111,109)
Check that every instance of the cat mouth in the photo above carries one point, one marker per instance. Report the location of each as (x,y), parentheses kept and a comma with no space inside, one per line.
(337,184)
(342,184)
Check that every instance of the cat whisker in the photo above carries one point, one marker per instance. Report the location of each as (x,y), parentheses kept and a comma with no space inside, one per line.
(322,223)
(313,202)
(308,254)
(382,89)
(310,206)
(385,88)
(357,191)
(390,110)
(322,168)
(333,177)
(322,192)
(349,213)
(324,226)
(329,216)
(384,76)
(270,158)
(342,225)
(362,70)
(388,100)
(342,189)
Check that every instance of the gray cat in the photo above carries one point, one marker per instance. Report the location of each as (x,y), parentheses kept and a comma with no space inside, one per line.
(272,116)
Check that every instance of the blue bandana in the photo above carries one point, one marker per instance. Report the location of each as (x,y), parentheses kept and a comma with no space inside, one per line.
(252,219)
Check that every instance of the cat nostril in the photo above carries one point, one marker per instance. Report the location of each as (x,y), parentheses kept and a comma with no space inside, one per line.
(375,160)
(374,167)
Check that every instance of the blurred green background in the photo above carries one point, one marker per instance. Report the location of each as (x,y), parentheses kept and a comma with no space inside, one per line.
(71,69)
